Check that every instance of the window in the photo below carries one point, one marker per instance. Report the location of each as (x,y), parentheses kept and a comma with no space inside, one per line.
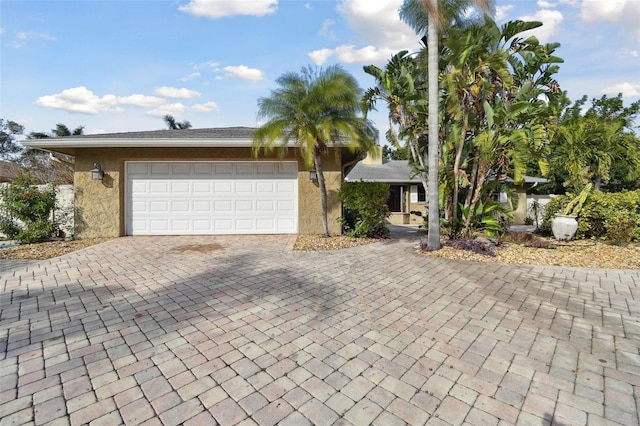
(418,194)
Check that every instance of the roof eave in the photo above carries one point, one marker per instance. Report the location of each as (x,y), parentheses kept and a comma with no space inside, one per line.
(50,144)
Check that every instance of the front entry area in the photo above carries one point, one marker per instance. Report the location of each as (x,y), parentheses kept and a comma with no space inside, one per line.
(211,197)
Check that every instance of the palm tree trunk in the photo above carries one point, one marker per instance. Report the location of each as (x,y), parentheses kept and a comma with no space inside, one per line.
(456,169)
(433,239)
(317,159)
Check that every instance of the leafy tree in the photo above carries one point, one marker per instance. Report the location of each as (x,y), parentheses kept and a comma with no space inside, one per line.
(433,16)
(366,203)
(400,85)
(8,145)
(27,210)
(494,119)
(40,162)
(597,145)
(314,109)
(392,153)
(172,124)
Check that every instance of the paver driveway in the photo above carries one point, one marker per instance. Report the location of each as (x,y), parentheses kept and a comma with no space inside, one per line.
(241,330)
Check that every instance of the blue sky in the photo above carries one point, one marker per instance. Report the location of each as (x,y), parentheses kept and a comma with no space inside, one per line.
(121,65)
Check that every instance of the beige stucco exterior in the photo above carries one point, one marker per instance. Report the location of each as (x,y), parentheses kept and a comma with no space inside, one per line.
(99,205)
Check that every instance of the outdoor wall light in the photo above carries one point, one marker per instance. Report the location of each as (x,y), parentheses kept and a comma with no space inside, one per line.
(313,175)
(97,173)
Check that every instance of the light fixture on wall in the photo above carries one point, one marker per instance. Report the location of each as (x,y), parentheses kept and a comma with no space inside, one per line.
(97,173)
(313,175)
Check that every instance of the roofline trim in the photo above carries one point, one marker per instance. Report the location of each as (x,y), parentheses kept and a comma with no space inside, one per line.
(138,143)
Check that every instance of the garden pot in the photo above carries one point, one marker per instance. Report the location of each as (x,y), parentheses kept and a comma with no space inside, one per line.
(564,227)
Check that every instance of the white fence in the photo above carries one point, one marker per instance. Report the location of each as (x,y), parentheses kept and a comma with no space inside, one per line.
(63,211)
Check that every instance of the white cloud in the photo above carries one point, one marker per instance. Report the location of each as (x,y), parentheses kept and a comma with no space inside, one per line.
(191,76)
(546,4)
(78,99)
(22,38)
(623,12)
(84,101)
(368,54)
(245,73)
(379,33)
(168,109)
(326,31)
(206,107)
(628,90)
(139,100)
(219,9)
(320,56)
(501,12)
(208,64)
(174,92)
(1,30)
(551,20)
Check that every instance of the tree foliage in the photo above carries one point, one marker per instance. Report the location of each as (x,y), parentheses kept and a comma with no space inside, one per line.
(498,98)
(8,145)
(314,109)
(27,209)
(172,124)
(598,145)
(367,211)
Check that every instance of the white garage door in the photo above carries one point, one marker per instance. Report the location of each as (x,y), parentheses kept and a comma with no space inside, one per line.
(196,198)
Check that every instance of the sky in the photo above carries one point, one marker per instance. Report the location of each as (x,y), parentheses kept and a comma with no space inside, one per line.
(118,65)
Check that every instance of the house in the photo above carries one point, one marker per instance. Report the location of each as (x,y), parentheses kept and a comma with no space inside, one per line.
(408,194)
(194,181)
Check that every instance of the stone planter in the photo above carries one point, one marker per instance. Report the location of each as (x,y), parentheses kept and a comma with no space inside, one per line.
(564,227)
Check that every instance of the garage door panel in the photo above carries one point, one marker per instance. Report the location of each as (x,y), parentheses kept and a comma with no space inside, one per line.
(223,187)
(178,187)
(223,206)
(172,198)
(245,169)
(246,187)
(243,206)
(202,187)
(265,206)
(184,169)
(205,169)
(158,188)
(160,169)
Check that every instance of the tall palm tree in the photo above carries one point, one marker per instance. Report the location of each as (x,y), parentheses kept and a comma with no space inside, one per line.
(314,109)
(421,15)
(398,85)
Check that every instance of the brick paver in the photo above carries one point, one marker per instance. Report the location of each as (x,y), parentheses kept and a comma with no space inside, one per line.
(241,330)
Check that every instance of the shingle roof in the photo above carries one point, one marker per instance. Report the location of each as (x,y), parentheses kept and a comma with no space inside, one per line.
(8,171)
(399,171)
(210,133)
(391,171)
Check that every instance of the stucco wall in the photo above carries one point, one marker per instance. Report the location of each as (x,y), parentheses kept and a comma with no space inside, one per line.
(99,206)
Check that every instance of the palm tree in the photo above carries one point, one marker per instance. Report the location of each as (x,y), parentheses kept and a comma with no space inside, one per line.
(314,109)
(421,15)
(398,85)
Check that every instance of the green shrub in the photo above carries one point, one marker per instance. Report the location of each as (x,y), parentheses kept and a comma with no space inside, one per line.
(26,210)
(365,209)
(601,214)
(622,228)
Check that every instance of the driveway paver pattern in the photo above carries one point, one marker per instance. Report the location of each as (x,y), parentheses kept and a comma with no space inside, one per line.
(242,330)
